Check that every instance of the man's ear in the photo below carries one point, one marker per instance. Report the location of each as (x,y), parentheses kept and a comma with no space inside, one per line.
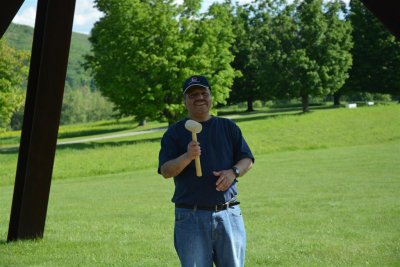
(184,101)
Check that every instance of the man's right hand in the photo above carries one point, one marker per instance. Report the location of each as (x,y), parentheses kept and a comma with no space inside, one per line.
(193,150)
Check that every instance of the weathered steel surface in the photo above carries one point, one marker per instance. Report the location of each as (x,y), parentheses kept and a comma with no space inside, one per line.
(8,10)
(50,49)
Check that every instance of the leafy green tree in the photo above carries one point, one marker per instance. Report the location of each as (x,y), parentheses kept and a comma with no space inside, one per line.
(19,37)
(85,105)
(306,50)
(246,24)
(13,74)
(143,50)
(275,39)
(376,55)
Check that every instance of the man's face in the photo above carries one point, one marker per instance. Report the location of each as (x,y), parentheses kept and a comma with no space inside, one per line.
(198,101)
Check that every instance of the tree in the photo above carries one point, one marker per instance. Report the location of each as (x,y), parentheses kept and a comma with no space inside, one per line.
(243,86)
(306,51)
(248,22)
(84,105)
(143,50)
(13,74)
(376,55)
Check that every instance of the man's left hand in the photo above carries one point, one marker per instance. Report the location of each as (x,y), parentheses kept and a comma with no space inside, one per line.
(225,179)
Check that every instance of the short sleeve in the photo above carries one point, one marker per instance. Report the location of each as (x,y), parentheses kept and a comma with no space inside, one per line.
(241,149)
(168,149)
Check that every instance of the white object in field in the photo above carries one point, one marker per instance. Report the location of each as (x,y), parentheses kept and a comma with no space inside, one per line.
(352,105)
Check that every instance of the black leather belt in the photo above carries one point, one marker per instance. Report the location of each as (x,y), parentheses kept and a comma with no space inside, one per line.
(210,208)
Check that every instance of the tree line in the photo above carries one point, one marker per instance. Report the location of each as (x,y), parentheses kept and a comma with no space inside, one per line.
(81,103)
(142,50)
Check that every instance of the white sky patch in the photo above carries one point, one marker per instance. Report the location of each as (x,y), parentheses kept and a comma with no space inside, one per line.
(26,16)
(85,16)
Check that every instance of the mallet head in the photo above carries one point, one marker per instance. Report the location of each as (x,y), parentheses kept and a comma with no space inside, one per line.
(193,126)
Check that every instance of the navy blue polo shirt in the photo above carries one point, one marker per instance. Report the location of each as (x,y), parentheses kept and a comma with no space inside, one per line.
(222,146)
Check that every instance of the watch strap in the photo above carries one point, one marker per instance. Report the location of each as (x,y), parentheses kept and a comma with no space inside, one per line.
(236,171)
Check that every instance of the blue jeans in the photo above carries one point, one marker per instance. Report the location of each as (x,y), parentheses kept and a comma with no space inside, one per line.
(202,237)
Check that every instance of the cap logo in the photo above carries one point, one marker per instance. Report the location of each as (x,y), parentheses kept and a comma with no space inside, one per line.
(195,80)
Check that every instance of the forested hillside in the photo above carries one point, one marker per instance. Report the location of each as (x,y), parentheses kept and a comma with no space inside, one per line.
(20,37)
(81,103)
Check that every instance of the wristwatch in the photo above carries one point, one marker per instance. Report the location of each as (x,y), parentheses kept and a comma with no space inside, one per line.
(236,171)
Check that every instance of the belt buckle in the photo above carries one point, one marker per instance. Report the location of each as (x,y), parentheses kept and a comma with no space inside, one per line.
(221,207)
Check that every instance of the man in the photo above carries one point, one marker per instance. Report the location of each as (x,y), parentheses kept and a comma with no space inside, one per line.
(208,221)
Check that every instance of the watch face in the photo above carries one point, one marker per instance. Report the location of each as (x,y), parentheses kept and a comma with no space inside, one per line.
(236,171)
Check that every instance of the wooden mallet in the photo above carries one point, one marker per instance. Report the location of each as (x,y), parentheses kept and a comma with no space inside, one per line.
(195,128)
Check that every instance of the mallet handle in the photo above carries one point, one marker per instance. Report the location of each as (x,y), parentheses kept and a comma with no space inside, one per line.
(197,158)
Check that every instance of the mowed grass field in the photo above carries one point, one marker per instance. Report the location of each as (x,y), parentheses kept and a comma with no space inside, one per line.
(324,191)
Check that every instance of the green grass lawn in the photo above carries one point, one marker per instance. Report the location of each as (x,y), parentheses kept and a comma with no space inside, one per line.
(267,133)
(324,192)
(329,207)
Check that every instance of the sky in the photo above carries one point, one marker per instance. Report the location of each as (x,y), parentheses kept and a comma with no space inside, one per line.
(85,14)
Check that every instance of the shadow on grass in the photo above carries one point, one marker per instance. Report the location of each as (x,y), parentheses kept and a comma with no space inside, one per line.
(93,145)
(78,133)
(276,112)
(277,109)
(9,151)
(244,112)
(89,132)
(244,116)
(88,145)
(263,117)
(284,111)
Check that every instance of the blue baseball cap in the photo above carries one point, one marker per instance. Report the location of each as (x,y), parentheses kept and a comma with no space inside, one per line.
(195,80)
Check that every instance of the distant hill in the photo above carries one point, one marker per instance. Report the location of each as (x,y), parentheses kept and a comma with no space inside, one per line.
(20,37)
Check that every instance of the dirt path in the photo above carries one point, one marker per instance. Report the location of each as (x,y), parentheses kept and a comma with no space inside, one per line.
(91,139)
(112,136)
